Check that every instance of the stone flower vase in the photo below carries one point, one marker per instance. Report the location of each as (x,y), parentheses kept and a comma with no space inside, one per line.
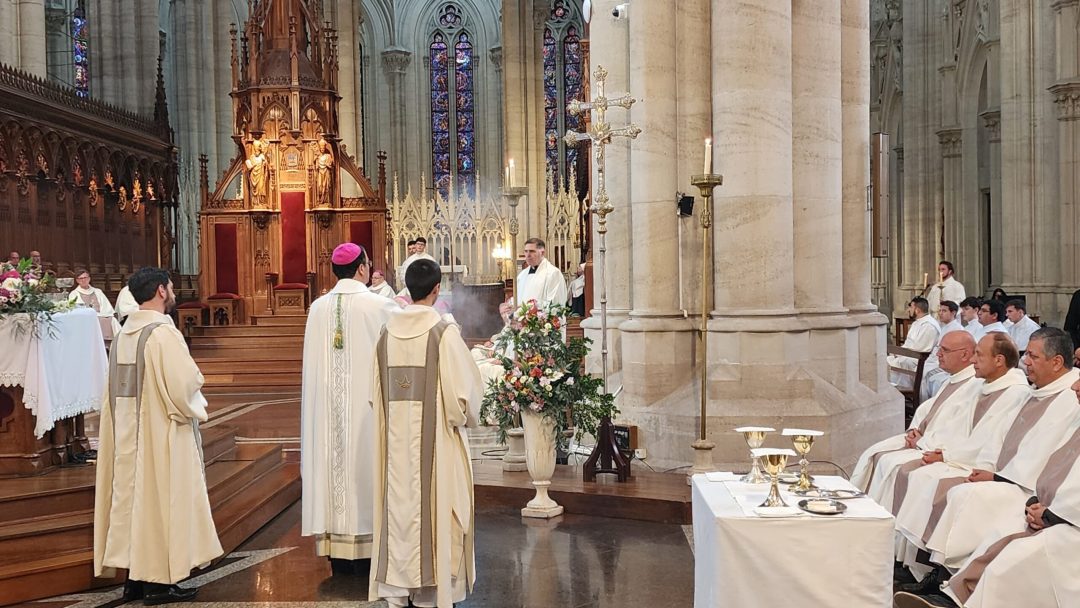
(514,459)
(540,458)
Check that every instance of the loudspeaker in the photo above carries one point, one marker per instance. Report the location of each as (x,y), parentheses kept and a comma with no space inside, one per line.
(685,203)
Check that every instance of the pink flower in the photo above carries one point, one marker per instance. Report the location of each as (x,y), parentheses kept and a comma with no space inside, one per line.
(11,274)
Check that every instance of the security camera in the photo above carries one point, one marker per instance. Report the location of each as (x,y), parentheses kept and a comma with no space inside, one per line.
(621,11)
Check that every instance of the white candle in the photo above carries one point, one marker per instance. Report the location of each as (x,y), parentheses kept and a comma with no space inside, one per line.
(506,176)
(511,169)
(925,280)
(708,156)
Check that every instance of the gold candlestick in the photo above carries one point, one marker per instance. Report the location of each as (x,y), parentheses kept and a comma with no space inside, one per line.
(703,447)
(513,195)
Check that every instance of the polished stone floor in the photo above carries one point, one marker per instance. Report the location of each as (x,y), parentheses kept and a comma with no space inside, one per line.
(573,561)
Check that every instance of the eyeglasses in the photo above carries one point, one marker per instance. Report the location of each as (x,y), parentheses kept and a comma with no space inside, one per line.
(949,351)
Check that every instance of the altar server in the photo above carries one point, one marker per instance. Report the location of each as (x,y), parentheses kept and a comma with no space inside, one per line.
(540,280)
(972,509)
(947,287)
(336,423)
(92,297)
(151,508)
(418,251)
(427,390)
(875,473)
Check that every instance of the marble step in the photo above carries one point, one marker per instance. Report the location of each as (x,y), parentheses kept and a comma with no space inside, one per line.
(261,319)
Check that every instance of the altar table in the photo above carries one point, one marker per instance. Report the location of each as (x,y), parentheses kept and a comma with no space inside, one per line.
(743,560)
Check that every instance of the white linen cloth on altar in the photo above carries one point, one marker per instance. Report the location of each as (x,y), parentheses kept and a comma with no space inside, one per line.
(742,560)
(62,371)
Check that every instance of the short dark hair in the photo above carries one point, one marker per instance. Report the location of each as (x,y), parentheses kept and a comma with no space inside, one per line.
(348,271)
(411,243)
(144,283)
(996,308)
(1056,343)
(947,264)
(81,271)
(1004,346)
(971,302)
(920,303)
(1018,304)
(539,242)
(421,278)
(950,305)
(421,239)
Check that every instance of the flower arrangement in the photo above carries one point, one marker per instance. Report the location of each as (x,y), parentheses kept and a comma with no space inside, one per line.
(544,375)
(24,289)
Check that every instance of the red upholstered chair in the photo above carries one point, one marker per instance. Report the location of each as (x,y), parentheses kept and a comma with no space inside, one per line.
(224,308)
(290,298)
(191,314)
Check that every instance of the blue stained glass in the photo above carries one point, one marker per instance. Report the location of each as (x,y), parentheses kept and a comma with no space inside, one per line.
(551,102)
(466,131)
(572,82)
(464,102)
(440,112)
(80,35)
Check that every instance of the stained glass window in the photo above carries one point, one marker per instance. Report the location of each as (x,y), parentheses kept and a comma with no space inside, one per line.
(79,36)
(453,113)
(563,67)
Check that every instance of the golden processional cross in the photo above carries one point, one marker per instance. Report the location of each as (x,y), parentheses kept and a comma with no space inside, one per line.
(600,133)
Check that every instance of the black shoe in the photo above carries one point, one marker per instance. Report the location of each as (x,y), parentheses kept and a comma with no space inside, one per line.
(901,575)
(931,583)
(156,594)
(133,590)
(910,600)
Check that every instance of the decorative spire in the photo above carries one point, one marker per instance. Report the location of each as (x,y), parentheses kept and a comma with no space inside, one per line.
(161,105)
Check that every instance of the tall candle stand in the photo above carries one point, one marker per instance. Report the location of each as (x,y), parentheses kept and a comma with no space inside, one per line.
(514,459)
(703,461)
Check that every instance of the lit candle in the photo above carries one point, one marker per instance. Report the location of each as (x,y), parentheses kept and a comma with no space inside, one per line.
(506,176)
(708,156)
(511,173)
(925,279)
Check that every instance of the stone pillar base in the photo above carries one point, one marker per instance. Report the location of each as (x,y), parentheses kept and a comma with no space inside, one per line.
(703,462)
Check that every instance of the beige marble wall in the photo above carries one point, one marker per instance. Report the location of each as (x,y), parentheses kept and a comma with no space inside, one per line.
(22,35)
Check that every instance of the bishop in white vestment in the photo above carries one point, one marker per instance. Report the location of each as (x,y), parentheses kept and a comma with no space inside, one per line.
(427,390)
(151,507)
(336,427)
(1046,419)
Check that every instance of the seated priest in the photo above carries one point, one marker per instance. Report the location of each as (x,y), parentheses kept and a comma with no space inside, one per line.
(933,375)
(485,355)
(875,472)
(974,510)
(92,297)
(922,336)
(1020,326)
(1031,558)
(979,432)
(991,315)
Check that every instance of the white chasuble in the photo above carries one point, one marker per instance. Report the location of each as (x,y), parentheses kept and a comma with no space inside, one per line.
(986,423)
(428,390)
(151,508)
(875,473)
(336,433)
(972,510)
(1017,566)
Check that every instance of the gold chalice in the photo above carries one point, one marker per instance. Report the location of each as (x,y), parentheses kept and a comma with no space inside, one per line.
(774,460)
(755,438)
(802,440)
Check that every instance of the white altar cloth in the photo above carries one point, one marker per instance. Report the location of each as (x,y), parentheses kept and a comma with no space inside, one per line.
(743,560)
(62,372)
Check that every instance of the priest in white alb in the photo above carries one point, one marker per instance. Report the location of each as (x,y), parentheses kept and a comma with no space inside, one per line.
(979,433)
(151,507)
(922,336)
(947,287)
(973,509)
(427,390)
(418,252)
(933,375)
(540,280)
(92,297)
(336,424)
(875,472)
(1020,325)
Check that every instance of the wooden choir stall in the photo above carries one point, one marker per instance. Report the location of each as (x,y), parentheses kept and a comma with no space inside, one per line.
(292,193)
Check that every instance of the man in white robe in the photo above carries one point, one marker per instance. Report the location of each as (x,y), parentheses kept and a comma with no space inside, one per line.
(971,509)
(540,280)
(151,507)
(947,287)
(980,432)
(379,286)
(1022,326)
(125,304)
(922,336)
(336,423)
(875,472)
(427,390)
(92,297)
(419,252)
(933,375)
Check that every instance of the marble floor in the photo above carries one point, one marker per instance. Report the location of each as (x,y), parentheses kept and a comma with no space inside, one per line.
(574,561)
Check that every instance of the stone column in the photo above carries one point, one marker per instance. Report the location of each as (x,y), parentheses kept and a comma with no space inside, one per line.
(658,343)
(351,105)
(32,37)
(855,121)
(1066,92)
(143,80)
(396,63)
(951,140)
(59,53)
(991,120)
(612,52)
(9,32)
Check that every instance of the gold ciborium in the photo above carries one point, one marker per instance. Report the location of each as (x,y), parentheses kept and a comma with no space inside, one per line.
(774,460)
(755,438)
(802,440)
